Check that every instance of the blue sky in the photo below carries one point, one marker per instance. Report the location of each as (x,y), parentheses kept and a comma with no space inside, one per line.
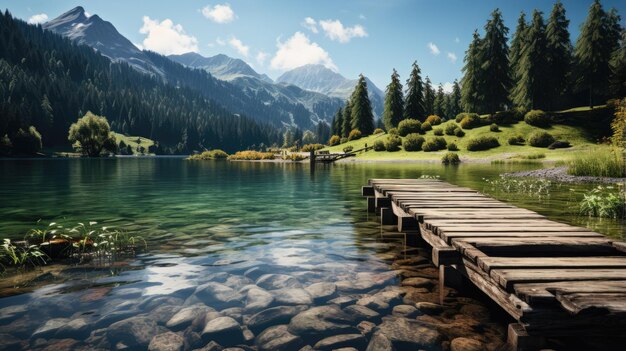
(370,37)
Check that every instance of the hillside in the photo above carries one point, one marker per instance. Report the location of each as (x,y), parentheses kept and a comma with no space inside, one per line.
(577,136)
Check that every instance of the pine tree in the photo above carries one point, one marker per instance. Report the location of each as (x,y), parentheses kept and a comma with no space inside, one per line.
(471,95)
(414,103)
(337,124)
(440,102)
(593,52)
(559,55)
(454,105)
(494,54)
(346,126)
(618,69)
(362,116)
(533,67)
(515,52)
(394,102)
(429,97)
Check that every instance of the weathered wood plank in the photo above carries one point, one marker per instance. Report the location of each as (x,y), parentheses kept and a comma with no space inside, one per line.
(507,278)
(535,293)
(448,237)
(576,303)
(489,263)
(543,247)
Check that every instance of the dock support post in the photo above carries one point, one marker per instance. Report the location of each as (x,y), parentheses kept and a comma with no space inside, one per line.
(387,217)
(442,284)
(519,340)
(371,204)
(382,202)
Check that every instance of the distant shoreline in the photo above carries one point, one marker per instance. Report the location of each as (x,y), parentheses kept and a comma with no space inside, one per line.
(560,174)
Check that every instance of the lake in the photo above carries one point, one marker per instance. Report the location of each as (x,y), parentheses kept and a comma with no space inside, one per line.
(230,241)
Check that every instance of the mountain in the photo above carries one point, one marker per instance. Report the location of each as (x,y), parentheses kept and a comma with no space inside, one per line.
(320,79)
(58,81)
(239,73)
(220,66)
(229,82)
(102,36)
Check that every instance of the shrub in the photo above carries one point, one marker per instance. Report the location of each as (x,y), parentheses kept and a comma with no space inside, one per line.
(504,117)
(295,157)
(459,132)
(426,127)
(438,131)
(393,143)
(207,155)
(413,142)
(435,144)
(379,145)
(434,120)
(482,143)
(519,113)
(312,147)
(449,128)
(450,158)
(378,131)
(5,145)
(598,164)
(27,141)
(334,140)
(348,149)
(251,155)
(559,145)
(494,128)
(516,140)
(453,147)
(408,126)
(462,115)
(393,131)
(540,139)
(344,140)
(470,121)
(355,134)
(537,118)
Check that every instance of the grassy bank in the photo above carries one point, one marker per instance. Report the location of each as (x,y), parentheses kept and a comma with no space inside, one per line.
(136,143)
(574,135)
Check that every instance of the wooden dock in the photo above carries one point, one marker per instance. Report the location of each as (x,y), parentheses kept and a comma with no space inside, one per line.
(554,279)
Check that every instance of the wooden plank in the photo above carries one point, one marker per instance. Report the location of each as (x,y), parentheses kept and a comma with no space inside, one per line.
(442,253)
(510,228)
(460,205)
(507,278)
(542,247)
(448,237)
(535,293)
(576,303)
(489,263)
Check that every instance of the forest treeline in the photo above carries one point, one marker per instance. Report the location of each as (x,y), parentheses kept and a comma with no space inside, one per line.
(48,82)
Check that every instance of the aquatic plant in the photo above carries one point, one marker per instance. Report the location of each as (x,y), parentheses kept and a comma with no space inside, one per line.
(599,163)
(295,157)
(538,187)
(604,201)
(20,255)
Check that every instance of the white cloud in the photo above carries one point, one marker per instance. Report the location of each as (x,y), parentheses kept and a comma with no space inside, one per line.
(38,18)
(447,87)
(299,51)
(335,30)
(220,13)
(452,57)
(239,46)
(138,45)
(457,40)
(167,38)
(220,41)
(310,24)
(261,57)
(433,49)
(362,16)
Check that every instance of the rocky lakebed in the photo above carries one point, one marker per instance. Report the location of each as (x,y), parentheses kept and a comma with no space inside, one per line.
(388,304)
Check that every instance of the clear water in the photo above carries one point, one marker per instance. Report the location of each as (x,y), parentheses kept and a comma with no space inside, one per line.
(203,218)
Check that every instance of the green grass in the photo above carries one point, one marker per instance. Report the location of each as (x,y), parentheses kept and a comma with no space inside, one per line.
(576,136)
(135,142)
(606,163)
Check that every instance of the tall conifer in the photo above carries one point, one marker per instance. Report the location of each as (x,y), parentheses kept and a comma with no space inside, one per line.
(414,103)
(494,55)
(559,54)
(362,116)
(429,97)
(471,96)
(530,91)
(394,102)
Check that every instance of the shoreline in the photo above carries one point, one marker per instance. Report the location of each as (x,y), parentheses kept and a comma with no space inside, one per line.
(560,174)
